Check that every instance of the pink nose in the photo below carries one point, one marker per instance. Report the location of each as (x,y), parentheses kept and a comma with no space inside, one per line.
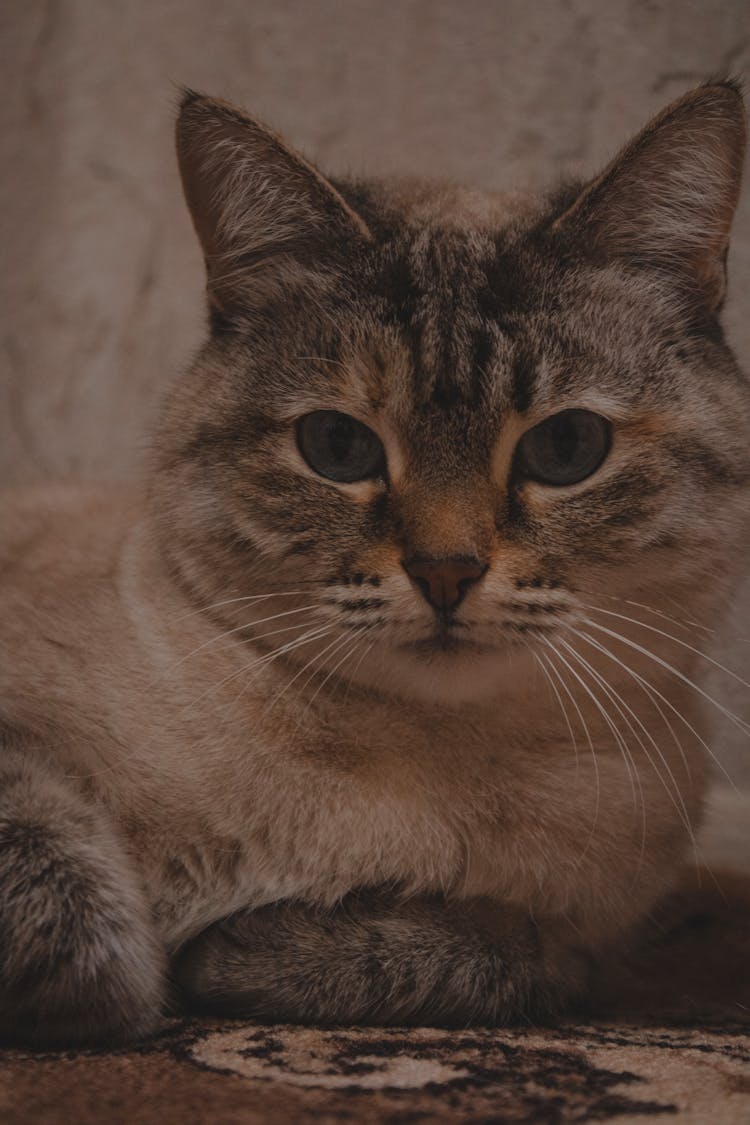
(443,582)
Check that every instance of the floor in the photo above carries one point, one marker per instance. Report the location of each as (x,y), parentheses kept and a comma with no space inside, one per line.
(666,1034)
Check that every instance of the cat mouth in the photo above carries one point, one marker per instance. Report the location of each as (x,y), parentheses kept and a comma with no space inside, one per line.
(450,637)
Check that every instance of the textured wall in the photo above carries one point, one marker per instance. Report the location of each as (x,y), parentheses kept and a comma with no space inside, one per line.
(101,286)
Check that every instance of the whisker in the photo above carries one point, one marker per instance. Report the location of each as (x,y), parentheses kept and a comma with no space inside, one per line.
(735,719)
(269,657)
(238,629)
(541,661)
(301,671)
(332,649)
(684,623)
(347,655)
(655,691)
(351,678)
(621,742)
(619,703)
(671,637)
(244,598)
(586,730)
(646,688)
(627,758)
(313,634)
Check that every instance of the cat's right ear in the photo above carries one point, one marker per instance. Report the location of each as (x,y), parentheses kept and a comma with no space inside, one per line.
(264,216)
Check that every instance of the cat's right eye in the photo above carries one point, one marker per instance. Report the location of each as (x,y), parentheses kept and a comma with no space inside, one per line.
(339,447)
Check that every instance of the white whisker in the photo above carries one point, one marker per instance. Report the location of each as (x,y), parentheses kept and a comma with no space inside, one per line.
(675,797)
(351,678)
(586,730)
(337,644)
(684,623)
(667,702)
(648,691)
(671,637)
(735,719)
(541,661)
(238,629)
(628,761)
(347,655)
(244,598)
(312,634)
(316,656)
(619,737)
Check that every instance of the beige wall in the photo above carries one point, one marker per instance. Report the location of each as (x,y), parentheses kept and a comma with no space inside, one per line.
(101,285)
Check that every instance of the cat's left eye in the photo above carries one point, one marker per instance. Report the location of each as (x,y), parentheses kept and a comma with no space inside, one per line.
(339,447)
(565,448)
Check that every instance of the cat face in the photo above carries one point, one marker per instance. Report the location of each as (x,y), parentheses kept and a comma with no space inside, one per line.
(436,429)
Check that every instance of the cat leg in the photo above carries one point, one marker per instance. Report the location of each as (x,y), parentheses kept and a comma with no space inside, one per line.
(377,959)
(78,959)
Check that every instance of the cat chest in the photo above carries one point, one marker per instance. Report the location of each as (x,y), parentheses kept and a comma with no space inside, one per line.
(315,838)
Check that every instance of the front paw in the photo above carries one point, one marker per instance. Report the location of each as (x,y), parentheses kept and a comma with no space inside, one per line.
(375,959)
(78,960)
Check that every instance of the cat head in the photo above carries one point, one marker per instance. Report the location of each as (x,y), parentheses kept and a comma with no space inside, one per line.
(439,426)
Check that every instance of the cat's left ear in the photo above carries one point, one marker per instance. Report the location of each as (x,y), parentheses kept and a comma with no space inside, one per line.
(668,199)
(263,215)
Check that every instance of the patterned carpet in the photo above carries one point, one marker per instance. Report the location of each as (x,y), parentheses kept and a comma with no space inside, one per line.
(668,1035)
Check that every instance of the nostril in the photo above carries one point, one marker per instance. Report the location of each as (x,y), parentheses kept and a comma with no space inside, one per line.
(444,582)
(423,586)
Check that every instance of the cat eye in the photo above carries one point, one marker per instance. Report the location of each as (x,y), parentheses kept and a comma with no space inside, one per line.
(565,448)
(339,447)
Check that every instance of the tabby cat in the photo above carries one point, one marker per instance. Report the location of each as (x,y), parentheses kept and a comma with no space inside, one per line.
(377,702)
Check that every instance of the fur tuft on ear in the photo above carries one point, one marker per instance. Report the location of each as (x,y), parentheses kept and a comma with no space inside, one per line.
(259,209)
(668,199)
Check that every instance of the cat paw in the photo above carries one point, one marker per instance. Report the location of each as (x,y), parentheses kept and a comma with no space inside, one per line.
(374,959)
(78,960)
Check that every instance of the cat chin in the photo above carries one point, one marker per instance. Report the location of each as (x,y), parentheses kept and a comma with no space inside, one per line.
(452,678)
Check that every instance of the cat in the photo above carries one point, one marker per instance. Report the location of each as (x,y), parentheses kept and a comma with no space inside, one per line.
(376,701)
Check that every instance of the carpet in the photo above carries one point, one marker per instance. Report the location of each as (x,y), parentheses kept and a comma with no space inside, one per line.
(666,1034)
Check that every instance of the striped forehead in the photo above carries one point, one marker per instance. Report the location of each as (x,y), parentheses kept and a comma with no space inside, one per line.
(436,301)
(459,304)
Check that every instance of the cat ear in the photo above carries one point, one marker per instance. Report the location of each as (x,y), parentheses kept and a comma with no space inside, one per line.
(667,200)
(261,212)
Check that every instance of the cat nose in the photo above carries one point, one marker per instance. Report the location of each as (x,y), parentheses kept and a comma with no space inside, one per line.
(443,582)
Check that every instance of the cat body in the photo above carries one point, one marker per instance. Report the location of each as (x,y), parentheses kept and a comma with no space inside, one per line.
(304,799)
(389,672)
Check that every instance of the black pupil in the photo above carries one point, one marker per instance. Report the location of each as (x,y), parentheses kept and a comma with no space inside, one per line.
(341,436)
(565,437)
